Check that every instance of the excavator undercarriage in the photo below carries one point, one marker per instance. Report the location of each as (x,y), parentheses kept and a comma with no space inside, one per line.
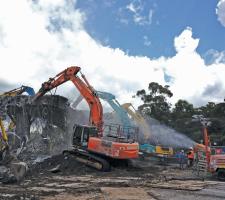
(88,159)
(97,152)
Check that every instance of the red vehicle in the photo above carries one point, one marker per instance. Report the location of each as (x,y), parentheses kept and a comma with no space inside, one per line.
(215,157)
(217,165)
(89,144)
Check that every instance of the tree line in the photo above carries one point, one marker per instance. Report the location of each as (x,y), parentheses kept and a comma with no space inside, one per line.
(180,115)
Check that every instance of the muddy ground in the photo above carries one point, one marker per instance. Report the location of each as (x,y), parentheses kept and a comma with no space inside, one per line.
(146,179)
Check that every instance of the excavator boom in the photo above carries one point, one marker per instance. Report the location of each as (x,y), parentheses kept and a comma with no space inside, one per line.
(138,118)
(70,74)
(19,91)
(120,111)
(3,132)
(127,127)
(150,149)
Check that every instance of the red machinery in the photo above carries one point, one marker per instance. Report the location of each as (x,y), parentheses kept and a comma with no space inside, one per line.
(90,147)
(215,162)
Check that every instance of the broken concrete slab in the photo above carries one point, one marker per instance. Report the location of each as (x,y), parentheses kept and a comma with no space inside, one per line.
(23,111)
(55,169)
(19,170)
(3,170)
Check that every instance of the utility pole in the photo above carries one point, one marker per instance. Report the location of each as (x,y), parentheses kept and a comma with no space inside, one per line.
(205,123)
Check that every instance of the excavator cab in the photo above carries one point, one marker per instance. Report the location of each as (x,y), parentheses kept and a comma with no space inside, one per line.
(81,134)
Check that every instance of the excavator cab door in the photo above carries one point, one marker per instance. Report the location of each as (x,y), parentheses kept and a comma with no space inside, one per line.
(82,133)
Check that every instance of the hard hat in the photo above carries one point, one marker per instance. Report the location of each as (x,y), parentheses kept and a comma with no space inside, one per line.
(191,148)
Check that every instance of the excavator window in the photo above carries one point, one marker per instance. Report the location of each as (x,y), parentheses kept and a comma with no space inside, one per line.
(82,133)
(92,131)
(77,135)
(85,137)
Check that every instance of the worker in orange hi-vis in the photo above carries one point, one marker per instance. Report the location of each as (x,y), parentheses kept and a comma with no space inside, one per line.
(190,156)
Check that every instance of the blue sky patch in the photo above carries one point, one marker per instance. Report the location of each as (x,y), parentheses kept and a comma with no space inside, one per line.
(148,27)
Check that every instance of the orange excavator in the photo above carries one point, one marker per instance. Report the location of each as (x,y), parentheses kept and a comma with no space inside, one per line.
(89,144)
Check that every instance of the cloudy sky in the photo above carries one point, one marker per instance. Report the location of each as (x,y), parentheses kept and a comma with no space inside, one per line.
(121,46)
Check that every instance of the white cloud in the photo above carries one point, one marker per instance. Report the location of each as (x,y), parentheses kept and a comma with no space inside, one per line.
(136,7)
(220,11)
(190,75)
(214,56)
(147,42)
(132,8)
(34,52)
(124,21)
(35,47)
(185,42)
(150,16)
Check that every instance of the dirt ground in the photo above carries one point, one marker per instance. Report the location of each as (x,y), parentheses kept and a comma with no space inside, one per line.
(146,180)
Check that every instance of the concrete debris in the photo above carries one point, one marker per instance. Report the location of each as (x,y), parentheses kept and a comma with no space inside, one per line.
(55,169)
(12,170)
(19,170)
(40,159)
(3,170)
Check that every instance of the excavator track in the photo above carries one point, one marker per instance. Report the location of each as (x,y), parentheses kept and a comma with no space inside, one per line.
(89,159)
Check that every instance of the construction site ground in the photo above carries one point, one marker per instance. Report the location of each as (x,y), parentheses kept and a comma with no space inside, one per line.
(146,179)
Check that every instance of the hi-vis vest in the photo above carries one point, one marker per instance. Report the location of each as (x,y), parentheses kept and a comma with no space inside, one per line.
(191,154)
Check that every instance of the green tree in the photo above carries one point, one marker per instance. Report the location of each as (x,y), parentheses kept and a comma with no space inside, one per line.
(181,116)
(155,102)
(183,109)
(209,110)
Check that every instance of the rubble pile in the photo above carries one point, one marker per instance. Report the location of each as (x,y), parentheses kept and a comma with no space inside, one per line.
(58,164)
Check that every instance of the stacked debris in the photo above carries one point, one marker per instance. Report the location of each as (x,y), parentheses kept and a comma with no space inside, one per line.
(40,132)
(58,164)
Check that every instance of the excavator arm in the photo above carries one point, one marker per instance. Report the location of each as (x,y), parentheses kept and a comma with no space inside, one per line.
(19,91)
(111,100)
(120,111)
(138,118)
(161,151)
(3,132)
(85,89)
